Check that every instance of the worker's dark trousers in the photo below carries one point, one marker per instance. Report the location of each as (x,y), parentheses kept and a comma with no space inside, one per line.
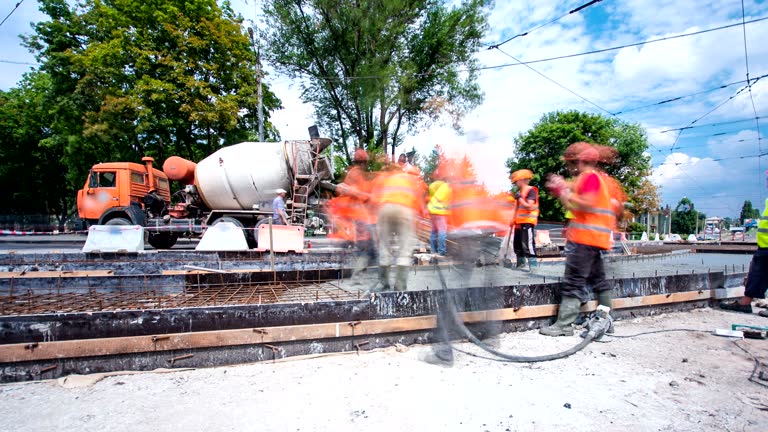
(757,278)
(524,242)
(584,268)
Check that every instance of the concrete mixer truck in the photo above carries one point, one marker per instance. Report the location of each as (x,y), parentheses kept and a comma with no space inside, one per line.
(235,184)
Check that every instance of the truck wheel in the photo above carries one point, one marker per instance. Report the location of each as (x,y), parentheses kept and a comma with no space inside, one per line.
(162,240)
(119,221)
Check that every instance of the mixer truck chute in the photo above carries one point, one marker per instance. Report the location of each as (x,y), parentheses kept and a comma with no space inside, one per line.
(234,184)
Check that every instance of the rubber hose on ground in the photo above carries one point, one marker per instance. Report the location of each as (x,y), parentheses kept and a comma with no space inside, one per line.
(505,357)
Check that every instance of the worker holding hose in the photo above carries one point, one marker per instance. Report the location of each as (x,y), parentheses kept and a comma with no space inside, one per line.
(590,232)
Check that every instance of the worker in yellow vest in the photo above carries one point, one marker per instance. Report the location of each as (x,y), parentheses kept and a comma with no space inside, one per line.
(591,232)
(438,207)
(399,198)
(526,218)
(757,278)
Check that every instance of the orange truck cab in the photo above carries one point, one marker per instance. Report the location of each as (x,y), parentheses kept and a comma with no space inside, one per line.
(125,193)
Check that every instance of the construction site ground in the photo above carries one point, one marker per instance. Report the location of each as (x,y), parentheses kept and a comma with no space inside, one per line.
(672,381)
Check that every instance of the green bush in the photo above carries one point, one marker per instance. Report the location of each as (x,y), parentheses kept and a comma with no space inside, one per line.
(635,227)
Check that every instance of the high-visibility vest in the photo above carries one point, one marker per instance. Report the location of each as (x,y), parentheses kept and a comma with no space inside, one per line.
(527,215)
(439,198)
(472,207)
(400,188)
(354,207)
(762,228)
(593,226)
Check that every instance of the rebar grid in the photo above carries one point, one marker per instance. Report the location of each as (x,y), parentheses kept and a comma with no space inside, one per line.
(28,300)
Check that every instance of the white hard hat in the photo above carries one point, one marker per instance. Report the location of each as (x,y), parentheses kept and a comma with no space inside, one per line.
(279,191)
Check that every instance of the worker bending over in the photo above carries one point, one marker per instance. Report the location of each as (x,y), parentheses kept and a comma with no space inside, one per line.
(399,196)
(526,218)
(590,233)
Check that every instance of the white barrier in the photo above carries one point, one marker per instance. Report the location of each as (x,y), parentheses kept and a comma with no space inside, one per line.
(114,238)
(224,236)
(287,238)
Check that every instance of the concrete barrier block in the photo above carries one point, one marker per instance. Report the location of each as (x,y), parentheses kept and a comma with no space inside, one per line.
(728,293)
(224,236)
(286,238)
(114,238)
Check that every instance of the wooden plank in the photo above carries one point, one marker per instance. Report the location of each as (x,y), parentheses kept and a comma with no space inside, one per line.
(56,274)
(180,341)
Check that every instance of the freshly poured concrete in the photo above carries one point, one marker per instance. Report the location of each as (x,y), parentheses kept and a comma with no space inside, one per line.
(425,277)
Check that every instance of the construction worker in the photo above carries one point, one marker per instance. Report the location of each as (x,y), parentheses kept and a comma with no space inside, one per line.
(399,196)
(527,216)
(757,277)
(439,201)
(279,216)
(590,233)
(357,187)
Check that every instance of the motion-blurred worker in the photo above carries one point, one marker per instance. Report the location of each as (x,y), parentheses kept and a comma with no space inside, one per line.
(399,196)
(357,187)
(527,216)
(438,207)
(590,232)
(757,277)
(279,216)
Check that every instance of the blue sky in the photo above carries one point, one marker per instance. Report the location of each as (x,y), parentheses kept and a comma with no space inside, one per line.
(715,166)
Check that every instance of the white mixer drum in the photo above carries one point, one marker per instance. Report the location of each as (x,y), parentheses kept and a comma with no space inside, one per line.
(247,174)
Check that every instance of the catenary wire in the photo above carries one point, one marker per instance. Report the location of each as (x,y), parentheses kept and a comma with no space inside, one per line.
(11,12)
(573,11)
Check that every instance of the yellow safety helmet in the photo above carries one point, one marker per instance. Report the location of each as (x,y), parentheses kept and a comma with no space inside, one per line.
(521,175)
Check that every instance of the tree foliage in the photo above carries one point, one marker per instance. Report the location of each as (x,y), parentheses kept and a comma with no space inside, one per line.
(32,172)
(133,78)
(684,217)
(375,70)
(540,149)
(748,212)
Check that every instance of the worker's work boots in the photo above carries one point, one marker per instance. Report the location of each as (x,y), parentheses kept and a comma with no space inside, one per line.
(520,262)
(569,310)
(361,264)
(401,278)
(605,298)
(384,278)
(532,263)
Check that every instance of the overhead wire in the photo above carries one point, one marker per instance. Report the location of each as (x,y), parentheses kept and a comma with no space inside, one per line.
(11,12)
(678,98)
(751,97)
(572,11)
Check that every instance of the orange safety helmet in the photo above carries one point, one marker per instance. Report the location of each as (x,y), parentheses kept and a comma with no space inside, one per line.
(589,154)
(574,150)
(412,169)
(521,175)
(360,155)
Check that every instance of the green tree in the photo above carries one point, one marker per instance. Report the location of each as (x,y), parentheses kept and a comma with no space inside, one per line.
(33,172)
(684,217)
(540,150)
(145,77)
(376,70)
(748,212)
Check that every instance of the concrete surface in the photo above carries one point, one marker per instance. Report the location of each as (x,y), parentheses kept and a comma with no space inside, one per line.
(676,381)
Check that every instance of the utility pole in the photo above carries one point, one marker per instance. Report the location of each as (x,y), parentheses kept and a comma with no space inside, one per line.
(258,84)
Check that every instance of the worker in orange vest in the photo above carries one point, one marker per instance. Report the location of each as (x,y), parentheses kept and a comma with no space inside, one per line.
(526,218)
(590,232)
(357,187)
(399,196)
